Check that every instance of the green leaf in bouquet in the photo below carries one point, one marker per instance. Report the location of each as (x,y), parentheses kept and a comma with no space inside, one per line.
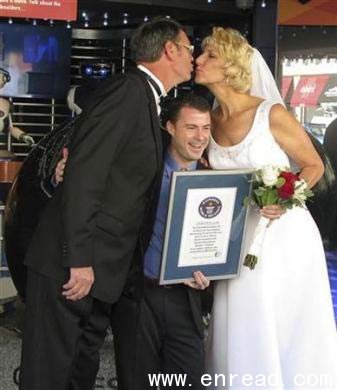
(269,197)
(280,182)
(257,175)
(286,204)
(272,197)
(308,193)
(260,191)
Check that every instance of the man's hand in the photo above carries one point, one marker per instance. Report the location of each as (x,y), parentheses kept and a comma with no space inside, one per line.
(79,284)
(272,211)
(59,170)
(200,281)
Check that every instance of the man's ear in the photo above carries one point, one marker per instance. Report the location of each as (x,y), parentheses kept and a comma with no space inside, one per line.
(170,49)
(170,128)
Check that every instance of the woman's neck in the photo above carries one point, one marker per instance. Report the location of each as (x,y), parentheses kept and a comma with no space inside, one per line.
(229,100)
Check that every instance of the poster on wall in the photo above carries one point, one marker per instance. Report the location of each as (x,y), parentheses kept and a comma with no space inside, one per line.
(39,9)
(35,58)
(312,12)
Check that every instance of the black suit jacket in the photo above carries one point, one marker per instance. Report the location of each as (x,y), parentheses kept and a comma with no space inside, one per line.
(94,218)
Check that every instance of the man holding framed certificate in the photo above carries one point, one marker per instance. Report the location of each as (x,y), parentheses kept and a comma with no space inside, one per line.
(159,329)
(162,331)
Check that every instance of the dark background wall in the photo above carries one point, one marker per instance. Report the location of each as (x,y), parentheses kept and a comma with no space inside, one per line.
(101,34)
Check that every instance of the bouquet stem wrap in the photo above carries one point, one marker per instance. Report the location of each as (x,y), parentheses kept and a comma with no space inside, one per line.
(255,248)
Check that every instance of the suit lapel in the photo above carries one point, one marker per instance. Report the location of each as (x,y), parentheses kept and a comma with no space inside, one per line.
(155,124)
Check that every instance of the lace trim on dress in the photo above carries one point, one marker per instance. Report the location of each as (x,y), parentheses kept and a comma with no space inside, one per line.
(233,151)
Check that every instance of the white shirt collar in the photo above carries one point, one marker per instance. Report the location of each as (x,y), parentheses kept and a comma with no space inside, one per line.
(160,85)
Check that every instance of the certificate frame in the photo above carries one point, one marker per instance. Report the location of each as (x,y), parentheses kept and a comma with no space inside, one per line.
(231,185)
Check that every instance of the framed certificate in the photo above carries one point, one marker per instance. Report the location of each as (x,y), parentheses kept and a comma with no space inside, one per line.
(205,224)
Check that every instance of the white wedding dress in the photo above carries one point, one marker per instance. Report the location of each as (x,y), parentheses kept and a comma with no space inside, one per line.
(273,327)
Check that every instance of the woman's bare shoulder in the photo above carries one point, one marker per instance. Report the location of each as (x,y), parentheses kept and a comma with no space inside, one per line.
(283,122)
(278,112)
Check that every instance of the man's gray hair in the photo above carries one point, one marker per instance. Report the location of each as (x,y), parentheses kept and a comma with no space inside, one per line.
(147,43)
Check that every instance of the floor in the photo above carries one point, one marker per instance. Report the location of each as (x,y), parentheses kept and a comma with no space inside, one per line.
(10,344)
(10,341)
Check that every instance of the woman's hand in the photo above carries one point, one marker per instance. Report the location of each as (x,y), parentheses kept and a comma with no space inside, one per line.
(272,211)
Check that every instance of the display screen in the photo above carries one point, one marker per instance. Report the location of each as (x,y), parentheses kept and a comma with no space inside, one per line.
(37,59)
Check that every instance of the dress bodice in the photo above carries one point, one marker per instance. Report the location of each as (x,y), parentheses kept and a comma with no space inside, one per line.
(257,149)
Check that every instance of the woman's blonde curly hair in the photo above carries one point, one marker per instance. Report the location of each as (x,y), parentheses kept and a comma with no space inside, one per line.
(236,51)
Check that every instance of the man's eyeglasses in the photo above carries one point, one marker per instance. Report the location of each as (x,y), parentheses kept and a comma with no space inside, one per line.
(190,48)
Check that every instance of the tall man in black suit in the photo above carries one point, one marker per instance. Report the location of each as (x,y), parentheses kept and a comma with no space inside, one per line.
(158,328)
(81,253)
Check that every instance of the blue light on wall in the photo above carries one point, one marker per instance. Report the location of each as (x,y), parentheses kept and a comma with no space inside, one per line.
(332,268)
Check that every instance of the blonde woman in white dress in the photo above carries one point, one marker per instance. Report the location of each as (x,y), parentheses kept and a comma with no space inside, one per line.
(272,327)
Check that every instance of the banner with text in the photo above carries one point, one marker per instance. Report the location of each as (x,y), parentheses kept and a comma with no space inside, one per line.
(39,9)
(313,12)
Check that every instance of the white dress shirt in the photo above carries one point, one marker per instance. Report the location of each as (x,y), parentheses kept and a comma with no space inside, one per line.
(159,83)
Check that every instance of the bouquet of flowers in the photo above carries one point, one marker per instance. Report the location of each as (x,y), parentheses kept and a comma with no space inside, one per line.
(273,186)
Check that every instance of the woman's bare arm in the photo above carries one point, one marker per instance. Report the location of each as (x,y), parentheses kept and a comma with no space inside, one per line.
(292,138)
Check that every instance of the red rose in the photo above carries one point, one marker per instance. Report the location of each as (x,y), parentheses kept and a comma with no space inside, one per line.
(289,177)
(287,190)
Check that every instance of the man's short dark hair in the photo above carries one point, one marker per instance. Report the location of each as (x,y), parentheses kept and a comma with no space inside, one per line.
(172,107)
(148,41)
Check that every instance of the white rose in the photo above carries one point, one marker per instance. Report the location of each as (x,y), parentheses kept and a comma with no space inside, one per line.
(269,175)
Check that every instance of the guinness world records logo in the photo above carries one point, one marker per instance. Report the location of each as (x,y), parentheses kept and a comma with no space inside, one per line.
(210,207)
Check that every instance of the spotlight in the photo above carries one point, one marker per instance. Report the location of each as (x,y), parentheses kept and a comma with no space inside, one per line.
(88,70)
(34,22)
(105,23)
(263,4)
(68,24)
(10,21)
(97,70)
(103,72)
